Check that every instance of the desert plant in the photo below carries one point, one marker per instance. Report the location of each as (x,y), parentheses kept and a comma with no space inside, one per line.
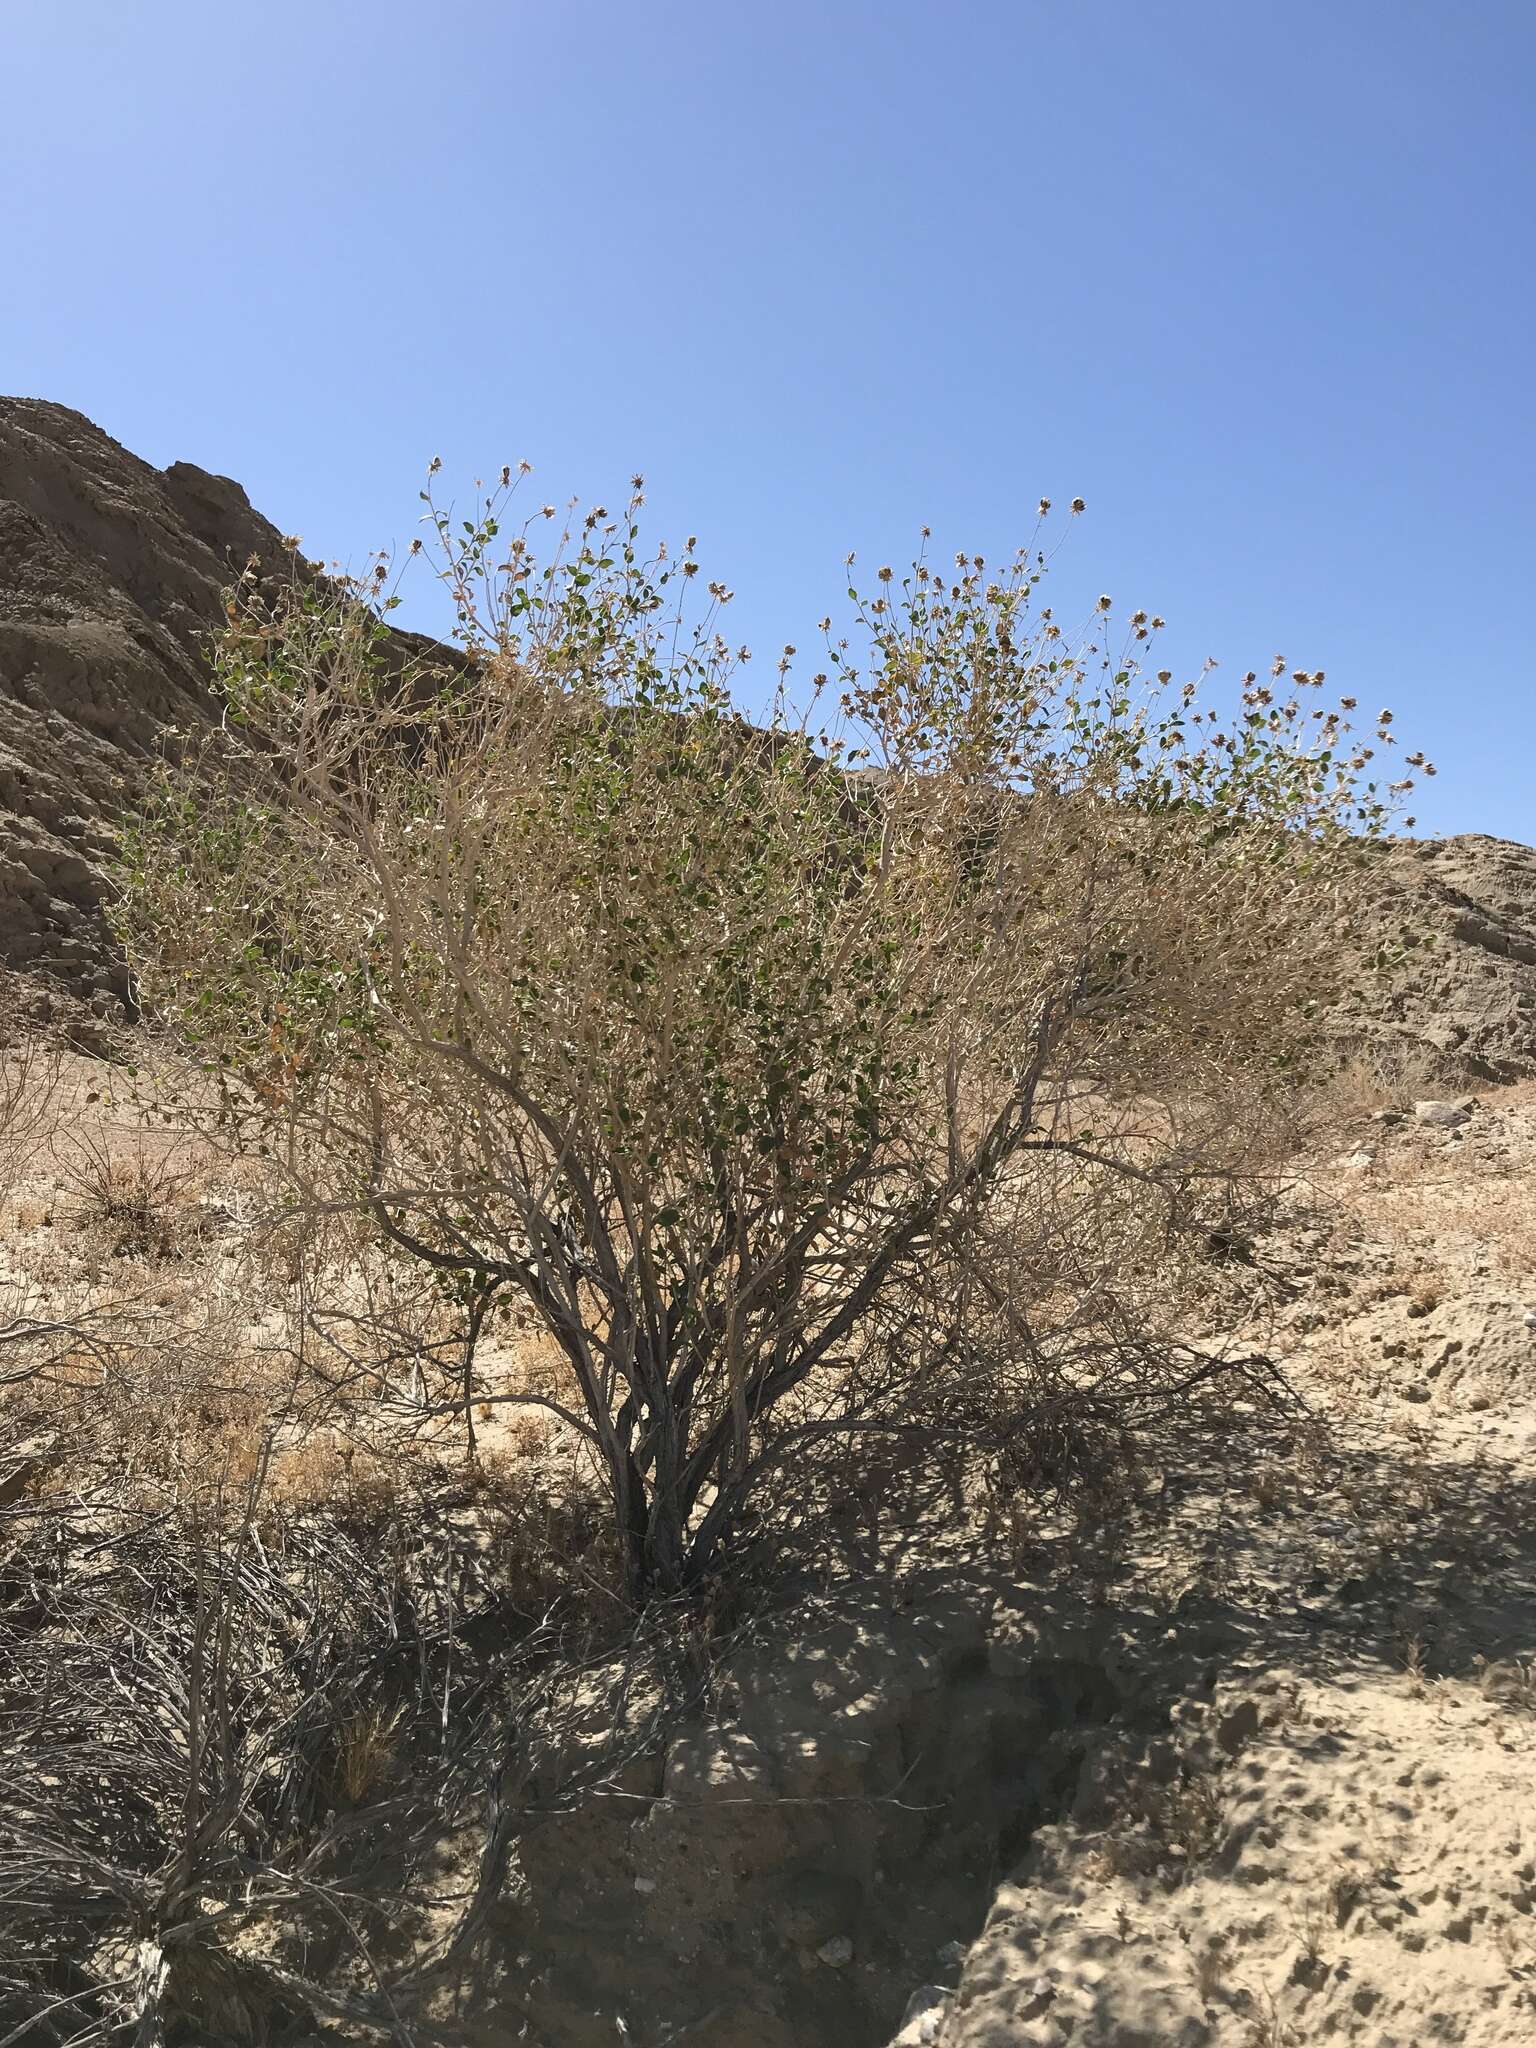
(130,1192)
(803,1082)
(181,1705)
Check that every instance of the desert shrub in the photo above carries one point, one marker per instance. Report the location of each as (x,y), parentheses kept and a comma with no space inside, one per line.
(856,1073)
(133,1195)
(223,1755)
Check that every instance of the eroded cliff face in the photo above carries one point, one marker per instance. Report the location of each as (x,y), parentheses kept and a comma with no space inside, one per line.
(1462,995)
(112,575)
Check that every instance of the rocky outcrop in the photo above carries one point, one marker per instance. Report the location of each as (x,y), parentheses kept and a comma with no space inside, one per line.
(112,574)
(1456,992)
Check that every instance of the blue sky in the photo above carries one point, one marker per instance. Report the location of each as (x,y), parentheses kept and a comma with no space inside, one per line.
(1255,280)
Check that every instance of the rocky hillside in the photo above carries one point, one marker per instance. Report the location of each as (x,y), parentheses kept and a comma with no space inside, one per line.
(111,574)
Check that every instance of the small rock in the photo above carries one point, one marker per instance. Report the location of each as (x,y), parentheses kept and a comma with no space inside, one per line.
(1447,1116)
(923,2021)
(837,1953)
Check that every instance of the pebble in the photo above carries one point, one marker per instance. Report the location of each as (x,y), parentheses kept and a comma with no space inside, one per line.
(1447,1115)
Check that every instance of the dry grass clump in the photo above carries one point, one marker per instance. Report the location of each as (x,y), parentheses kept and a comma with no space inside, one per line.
(1501,1207)
(140,1200)
(1386,1074)
(189,1716)
(367,1749)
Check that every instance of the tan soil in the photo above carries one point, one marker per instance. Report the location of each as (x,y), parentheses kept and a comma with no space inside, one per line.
(1336,1838)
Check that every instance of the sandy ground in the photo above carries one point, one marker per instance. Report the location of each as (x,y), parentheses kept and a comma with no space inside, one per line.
(1308,1812)
(1335,1840)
